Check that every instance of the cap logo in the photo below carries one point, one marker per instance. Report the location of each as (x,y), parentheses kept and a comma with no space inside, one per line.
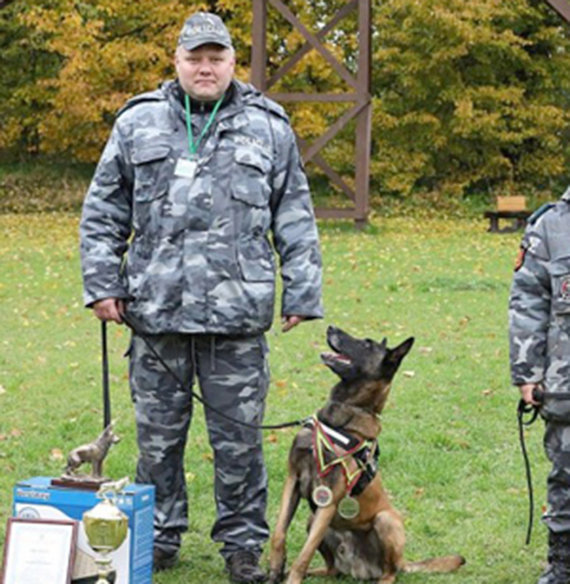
(200,29)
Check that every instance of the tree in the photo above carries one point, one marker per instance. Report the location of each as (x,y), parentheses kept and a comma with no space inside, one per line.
(24,60)
(469,96)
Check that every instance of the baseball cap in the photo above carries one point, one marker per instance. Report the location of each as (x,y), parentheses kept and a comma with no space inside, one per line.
(203,28)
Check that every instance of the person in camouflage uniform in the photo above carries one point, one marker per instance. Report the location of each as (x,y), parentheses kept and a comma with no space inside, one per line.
(539,325)
(175,237)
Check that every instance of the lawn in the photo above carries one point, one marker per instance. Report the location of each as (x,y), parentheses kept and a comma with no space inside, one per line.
(449,449)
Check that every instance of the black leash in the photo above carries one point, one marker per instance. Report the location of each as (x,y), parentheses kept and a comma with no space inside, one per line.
(105,373)
(540,396)
(180,383)
(524,408)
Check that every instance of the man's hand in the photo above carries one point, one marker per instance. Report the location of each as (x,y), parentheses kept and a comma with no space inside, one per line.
(526,393)
(110,309)
(288,322)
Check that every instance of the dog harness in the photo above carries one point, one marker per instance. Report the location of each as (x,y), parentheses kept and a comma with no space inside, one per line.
(357,458)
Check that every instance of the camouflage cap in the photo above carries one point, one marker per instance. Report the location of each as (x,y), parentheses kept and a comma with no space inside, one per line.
(203,28)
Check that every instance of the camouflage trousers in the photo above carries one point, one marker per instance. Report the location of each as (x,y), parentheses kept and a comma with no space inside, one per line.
(233,375)
(557,447)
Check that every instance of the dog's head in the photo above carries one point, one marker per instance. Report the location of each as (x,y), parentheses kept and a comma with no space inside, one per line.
(366,367)
(109,435)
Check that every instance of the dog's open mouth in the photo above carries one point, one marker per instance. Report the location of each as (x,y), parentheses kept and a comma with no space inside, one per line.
(329,358)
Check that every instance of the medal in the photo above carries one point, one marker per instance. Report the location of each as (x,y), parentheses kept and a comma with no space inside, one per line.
(322,496)
(348,508)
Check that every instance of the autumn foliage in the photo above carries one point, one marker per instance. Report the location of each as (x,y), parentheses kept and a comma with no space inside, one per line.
(469,97)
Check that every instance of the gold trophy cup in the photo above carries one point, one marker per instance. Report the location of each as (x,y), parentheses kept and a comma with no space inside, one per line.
(106,526)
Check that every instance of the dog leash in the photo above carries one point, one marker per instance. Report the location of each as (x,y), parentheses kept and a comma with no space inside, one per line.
(523,409)
(105,375)
(180,383)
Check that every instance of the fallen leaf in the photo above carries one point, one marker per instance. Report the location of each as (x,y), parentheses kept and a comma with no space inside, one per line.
(56,454)
(409,373)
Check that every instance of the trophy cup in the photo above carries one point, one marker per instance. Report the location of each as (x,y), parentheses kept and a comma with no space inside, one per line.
(106,526)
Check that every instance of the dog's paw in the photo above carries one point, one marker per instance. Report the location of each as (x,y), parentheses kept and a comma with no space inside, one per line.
(276,576)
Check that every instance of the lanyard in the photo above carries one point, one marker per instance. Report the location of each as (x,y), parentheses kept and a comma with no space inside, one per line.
(193,146)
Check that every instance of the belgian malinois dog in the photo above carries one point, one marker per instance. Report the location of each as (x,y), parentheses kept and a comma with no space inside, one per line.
(364,539)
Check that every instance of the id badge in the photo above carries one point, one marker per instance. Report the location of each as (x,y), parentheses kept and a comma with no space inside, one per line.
(185,168)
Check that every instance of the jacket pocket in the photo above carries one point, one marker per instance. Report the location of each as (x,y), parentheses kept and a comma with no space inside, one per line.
(256,259)
(560,270)
(153,169)
(251,179)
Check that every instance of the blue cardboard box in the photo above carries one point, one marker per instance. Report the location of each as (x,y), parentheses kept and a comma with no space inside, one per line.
(37,498)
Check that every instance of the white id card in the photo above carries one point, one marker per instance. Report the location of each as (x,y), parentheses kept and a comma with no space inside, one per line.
(185,168)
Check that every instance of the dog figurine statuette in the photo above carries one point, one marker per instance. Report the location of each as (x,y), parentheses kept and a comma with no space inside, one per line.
(92,453)
(333,465)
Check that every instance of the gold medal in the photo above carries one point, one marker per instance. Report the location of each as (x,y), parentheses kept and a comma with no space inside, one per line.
(322,496)
(348,508)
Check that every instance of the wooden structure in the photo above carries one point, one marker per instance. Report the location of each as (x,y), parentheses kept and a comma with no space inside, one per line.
(359,95)
(512,208)
(562,7)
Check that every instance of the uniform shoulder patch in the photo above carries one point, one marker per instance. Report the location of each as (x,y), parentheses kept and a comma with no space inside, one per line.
(540,212)
(156,95)
(519,261)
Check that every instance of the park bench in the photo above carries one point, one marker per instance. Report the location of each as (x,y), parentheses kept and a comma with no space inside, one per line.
(512,208)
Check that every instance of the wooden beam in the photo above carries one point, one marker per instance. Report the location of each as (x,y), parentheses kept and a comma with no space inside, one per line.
(329,171)
(562,7)
(344,11)
(315,97)
(342,71)
(332,131)
(259,40)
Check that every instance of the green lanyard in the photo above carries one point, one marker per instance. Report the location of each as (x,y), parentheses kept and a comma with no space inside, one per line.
(193,146)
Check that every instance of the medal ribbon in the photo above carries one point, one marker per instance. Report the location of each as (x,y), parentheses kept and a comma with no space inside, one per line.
(193,145)
(322,442)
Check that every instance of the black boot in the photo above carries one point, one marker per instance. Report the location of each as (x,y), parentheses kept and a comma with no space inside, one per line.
(558,570)
(243,568)
(163,559)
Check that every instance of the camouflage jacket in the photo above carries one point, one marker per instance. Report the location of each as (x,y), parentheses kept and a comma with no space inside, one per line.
(194,255)
(539,307)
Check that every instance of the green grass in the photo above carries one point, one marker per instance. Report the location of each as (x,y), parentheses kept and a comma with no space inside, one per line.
(449,449)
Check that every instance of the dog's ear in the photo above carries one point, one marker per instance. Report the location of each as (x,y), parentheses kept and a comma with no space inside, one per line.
(399,352)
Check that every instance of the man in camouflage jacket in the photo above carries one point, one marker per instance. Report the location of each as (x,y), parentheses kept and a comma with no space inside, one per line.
(539,323)
(175,236)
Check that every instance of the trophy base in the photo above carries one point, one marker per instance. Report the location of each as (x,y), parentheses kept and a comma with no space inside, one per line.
(112,578)
(83,482)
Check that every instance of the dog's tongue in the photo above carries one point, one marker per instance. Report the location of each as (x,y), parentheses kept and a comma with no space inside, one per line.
(335,357)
